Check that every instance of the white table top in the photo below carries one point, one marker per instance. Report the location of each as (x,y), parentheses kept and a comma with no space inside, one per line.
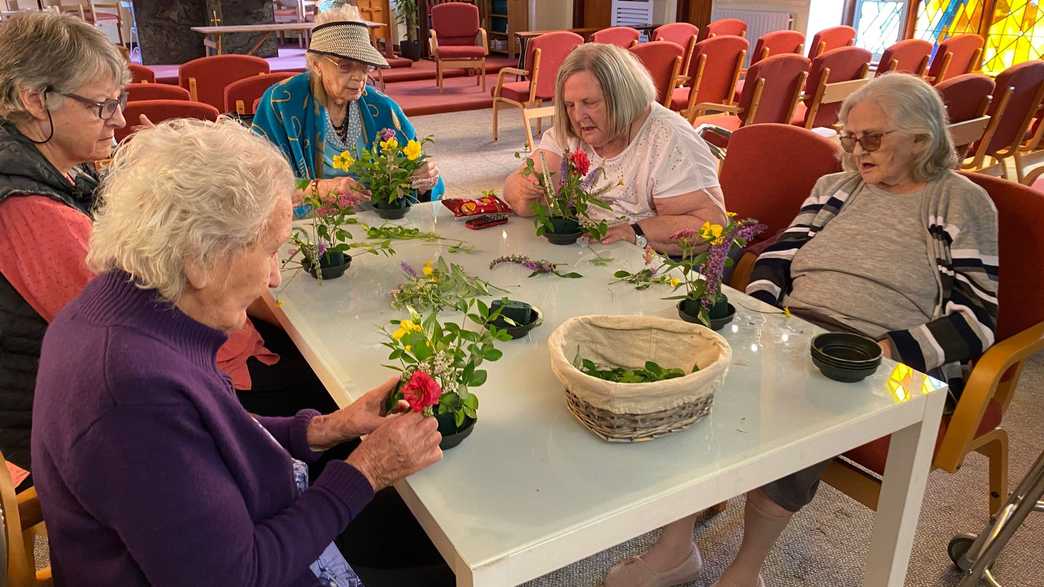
(267,27)
(532,490)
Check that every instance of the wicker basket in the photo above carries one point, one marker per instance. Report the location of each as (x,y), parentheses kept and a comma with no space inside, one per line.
(633,412)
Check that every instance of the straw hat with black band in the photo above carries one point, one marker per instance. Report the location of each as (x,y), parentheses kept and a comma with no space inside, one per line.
(348,39)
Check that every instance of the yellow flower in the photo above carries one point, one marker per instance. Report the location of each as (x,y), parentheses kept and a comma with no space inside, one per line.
(412,150)
(711,232)
(343,161)
(675,282)
(409,348)
(786,311)
(391,144)
(410,326)
(398,334)
(428,269)
(730,214)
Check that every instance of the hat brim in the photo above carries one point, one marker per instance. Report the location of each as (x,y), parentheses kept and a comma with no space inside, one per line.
(350,42)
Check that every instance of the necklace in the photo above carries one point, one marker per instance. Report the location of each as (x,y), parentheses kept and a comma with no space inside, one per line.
(342,129)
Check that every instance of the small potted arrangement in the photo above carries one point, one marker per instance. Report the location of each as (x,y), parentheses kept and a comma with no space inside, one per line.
(705,255)
(565,212)
(386,171)
(440,362)
(439,285)
(323,243)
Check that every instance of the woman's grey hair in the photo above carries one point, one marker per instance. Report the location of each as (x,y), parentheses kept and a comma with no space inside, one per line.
(44,51)
(914,108)
(626,84)
(185,191)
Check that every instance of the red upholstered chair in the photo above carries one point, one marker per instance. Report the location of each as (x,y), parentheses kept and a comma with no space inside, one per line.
(140,73)
(139,92)
(681,33)
(831,38)
(160,110)
(205,78)
(955,56)
(789,160)
(622,36)
(906,56)
(544,55)
(967,97)
(663,59)
(455,27)
(975,423)
(1034,179)
(713,71)
(240,95)
(1025,83)
(727,26)
(777,42)
(772,91)
(833,76)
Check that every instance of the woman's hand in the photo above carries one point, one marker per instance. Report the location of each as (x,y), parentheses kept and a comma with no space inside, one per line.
(363,416)
(426,176)
(619,232)
(886,348)
(521,191)
(401,446)
(330,190)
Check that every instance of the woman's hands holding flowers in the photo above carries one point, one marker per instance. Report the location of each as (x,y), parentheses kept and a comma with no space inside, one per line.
(334,190)
(363,416)
(427,175)
(403,445)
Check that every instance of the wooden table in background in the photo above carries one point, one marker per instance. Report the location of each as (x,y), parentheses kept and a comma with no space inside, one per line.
(212,34)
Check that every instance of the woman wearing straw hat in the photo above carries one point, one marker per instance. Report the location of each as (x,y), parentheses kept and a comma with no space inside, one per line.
(329,109)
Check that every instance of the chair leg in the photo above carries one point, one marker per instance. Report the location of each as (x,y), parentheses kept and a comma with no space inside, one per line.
(1019,167)
(496,118)
(997,452)
(529,131)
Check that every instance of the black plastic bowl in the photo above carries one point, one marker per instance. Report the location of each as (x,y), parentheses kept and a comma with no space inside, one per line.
(845,357)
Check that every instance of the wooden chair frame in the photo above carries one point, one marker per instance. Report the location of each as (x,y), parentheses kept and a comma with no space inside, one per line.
(531,108)
(1012,150)
(23,523)
(827,93)
(1033,175)
(469,63)
(690,110)
(921,71)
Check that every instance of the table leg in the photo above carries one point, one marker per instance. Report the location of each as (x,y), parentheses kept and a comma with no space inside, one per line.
(906,474)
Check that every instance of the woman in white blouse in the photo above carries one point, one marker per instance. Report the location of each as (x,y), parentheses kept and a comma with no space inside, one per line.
(661,174)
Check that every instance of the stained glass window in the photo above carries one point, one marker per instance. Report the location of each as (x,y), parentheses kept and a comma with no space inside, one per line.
(940,19)
(878,24)
(1016,35)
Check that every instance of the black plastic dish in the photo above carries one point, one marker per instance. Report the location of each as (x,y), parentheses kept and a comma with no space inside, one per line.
(522,329)
(845,357)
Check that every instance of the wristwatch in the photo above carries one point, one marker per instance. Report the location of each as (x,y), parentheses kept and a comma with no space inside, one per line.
(639,236)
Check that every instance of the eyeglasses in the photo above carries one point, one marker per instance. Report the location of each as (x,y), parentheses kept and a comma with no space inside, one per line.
(870,141)
(350,65)
(106,108)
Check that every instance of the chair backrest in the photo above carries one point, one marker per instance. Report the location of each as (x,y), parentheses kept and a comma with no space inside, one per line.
(715,66)
(772,88)
(676,32)
(1020,229)
(457,23)
(621,36)
(831,38)
(966,96)
(160,110)
(836,65)
(775,43)
(554,48)
(727,26)
(1026,81)
(139,92)
(208,76)
(140,73)
(240,95)
(955,56)
(788,159)
(906,56)
(663,60)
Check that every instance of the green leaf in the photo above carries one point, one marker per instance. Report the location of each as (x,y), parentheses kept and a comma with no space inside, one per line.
(492,354)
(621,274)
(477,378)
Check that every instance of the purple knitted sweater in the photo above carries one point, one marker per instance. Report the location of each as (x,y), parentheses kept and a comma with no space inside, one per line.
(148,469)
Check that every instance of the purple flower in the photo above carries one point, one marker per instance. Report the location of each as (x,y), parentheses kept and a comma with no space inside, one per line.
(322,247)
(387,134)
(563,172)
(408,270)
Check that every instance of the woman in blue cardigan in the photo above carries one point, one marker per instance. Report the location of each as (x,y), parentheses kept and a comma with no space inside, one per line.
(317,115)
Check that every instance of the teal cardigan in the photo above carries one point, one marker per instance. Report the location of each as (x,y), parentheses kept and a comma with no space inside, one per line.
(292,119)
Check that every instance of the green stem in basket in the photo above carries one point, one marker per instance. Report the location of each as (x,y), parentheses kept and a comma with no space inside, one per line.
(647,374)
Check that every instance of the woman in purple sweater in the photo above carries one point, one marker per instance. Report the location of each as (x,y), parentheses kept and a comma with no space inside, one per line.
(148,469)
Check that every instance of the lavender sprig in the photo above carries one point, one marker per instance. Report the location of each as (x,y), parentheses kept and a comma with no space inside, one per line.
(408,269)
(537,266)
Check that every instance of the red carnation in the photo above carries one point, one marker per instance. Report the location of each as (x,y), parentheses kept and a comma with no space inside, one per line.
(580,162)
(421,391)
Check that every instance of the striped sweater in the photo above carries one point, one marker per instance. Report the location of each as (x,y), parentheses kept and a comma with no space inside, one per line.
(962,224)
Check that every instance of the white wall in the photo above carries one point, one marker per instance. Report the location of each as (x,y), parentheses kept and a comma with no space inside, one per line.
(799,8)
(823,14)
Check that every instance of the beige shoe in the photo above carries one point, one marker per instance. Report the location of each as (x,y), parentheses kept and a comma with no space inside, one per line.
(761,581)
(635,572)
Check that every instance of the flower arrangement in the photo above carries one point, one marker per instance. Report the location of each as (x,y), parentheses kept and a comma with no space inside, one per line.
(439,361)
(324,241)
(439,285)
(386,168)
(567,203)
(536,266)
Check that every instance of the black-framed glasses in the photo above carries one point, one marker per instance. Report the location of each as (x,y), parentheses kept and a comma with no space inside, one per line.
(106,108)
(870,141)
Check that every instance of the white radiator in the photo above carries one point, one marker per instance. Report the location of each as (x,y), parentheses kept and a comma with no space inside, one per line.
(632,12)
(759,21)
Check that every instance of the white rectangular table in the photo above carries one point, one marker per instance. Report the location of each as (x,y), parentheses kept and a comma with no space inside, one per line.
(531,490)
(212,34)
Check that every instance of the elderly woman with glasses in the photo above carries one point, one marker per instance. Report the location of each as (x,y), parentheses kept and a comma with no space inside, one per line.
(149,471)
(898,247)
(659,175)
(317,115)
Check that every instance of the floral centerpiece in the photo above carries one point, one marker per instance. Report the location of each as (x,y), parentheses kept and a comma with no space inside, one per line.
(386,170)
(439,285)
(441,361)
(565,212)
(323,242)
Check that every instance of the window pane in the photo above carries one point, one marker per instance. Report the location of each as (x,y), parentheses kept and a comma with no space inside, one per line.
(1016,35)
(878,24)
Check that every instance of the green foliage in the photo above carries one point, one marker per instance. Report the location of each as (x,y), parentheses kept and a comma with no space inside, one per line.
(440,285)
(386,169)
(646,374)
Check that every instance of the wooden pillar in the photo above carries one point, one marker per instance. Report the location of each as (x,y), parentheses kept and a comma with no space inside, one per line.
(164,30)
(697,12)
